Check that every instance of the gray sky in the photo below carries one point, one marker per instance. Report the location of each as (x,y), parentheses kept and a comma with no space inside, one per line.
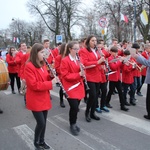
(17,9)
(13,9)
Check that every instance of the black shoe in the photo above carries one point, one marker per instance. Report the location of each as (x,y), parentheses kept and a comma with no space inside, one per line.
(139,94)
(78,129)
(62,104)
(87,117)
(93,116)
(132,103)
(146,117)
(44,145)
(109,106)
(1,111)
(124,108)
(13,92)
(38,147)
(127,104)
(74,130)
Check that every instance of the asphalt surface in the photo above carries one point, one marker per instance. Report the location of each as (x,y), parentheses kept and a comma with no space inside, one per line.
(117,130)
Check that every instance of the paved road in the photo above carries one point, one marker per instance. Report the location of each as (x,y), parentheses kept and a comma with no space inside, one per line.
(116,130)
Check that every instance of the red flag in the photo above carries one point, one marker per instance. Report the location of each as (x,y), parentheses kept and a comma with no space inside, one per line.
(124,18)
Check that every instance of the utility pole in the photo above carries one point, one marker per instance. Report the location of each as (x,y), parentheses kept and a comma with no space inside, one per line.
(134,5)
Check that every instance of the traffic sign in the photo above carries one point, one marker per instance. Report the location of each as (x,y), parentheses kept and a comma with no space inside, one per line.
(103,22)
(59,39)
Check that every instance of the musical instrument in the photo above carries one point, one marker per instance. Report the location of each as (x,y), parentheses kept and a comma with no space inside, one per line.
(4,76)
(106,62)
(82,69)
(53,71)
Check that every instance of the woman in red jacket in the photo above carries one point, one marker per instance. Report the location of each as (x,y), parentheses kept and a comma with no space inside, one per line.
(72,79)
(37,95)
(13,68)
(92,60)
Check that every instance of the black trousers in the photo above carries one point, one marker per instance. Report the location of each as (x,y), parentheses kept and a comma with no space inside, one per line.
(148,100)
(118,86)
(40,117)
(142,82)
(14,76)
(103,89)
(74,109)
(93,97)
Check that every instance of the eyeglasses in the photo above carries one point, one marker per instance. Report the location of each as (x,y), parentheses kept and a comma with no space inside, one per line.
(76,49)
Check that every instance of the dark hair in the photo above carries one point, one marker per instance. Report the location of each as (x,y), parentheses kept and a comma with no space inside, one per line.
(34,55)
(69,45)
(135,45)
(58,44)
(126,52)
(114,49)
(83,39)
(124,41)
(87,43)
(62,49)
(10,53)
(46,40)
(114,39)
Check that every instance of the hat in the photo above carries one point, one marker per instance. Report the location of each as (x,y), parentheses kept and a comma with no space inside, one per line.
(135,45)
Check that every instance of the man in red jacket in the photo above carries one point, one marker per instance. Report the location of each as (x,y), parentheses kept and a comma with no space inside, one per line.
(115,79)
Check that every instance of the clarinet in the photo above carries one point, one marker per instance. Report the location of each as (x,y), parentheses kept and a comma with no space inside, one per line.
(106,62)
(84,77)
(54,74)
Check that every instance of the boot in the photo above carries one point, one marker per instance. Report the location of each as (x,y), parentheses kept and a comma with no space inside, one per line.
(87,116)
(74,130)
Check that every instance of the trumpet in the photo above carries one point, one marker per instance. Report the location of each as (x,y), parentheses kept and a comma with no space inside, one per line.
(82,68)
(54,74)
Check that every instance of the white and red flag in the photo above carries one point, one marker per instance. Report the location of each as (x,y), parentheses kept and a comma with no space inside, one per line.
(123,17)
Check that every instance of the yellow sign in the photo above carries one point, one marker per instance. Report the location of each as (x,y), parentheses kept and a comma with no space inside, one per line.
(103,31)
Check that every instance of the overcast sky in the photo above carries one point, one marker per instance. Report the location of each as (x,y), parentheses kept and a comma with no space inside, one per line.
(17,9)
(13,9)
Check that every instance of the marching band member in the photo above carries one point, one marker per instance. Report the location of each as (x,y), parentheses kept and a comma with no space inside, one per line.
(19,55)
(146,62)
(115,79)
(103,85)
(57,67)
(127,74)
(144,68)
(137,81)
(72,79)
(92,60)
(13,68)
(37,95)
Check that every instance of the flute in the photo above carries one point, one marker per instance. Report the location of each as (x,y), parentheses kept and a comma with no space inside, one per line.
(82,68)
(54,74)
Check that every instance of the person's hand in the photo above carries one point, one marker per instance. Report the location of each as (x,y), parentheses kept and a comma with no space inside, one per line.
(102,59)
(54,81)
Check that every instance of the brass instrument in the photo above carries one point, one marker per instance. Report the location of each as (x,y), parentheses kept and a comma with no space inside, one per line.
(82,68)
(55,76)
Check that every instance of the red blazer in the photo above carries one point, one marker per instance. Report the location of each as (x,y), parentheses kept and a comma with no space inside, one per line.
(114,66)
(23,62)
(136,72)
(51,58)
(38,86)
(144,54)
(70,76)
(92,74)
(12,66)
(18,59)
(127,74)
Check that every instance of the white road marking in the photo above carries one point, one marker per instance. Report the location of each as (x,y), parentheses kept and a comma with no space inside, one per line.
(128,121)
(26,135)
(103,144)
